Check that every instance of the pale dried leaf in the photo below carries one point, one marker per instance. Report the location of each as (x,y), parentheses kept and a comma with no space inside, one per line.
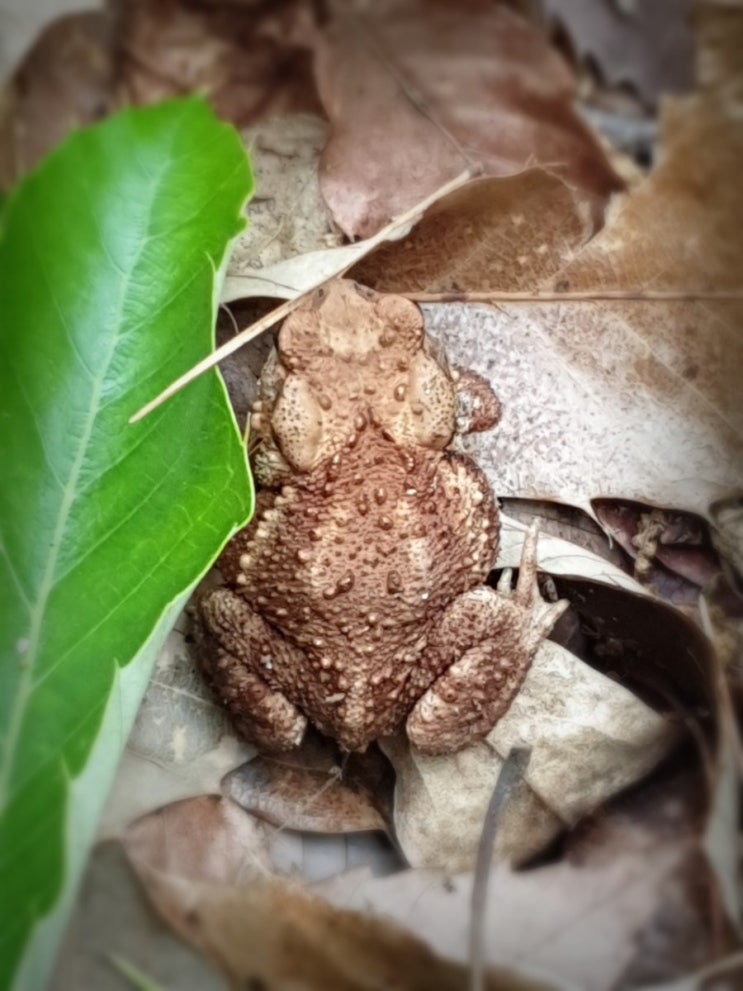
(182,744)
(216,892)
(294,276)
(578,921)
(287,216)
(589,736)
(562,557)
(414,92)
(440,806)
(589,410)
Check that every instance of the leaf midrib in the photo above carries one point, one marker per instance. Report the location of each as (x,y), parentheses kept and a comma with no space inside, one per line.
(69,493)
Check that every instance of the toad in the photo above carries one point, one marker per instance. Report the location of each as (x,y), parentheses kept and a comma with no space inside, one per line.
(356,598)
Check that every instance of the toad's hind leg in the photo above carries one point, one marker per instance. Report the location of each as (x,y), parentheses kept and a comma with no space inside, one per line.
(486,642)
(239,650)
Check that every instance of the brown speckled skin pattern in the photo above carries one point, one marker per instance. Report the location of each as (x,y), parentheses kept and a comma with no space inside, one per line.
(355,598)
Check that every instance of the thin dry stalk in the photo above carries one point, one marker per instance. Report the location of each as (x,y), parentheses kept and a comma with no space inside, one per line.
(511,775)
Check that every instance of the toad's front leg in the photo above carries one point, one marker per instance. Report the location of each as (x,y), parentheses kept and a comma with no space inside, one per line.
(241,654)
(487,641)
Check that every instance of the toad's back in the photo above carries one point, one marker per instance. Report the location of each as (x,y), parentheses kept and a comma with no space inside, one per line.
(358,555)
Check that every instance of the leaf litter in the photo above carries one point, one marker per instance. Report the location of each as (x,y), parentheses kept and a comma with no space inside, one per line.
(629,404)
(415,92)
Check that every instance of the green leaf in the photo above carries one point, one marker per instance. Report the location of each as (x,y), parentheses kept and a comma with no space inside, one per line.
(111,255)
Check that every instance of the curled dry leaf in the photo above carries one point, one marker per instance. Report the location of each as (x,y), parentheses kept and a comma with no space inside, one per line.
(316,789)
(562,557)
(647,646)
(590,738)
(415,92)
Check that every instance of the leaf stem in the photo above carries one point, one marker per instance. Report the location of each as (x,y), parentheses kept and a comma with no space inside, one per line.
(394,229)
(511,774)
(587,296)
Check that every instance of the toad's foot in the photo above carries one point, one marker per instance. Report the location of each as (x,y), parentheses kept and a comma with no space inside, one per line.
(487,641)
(239,650)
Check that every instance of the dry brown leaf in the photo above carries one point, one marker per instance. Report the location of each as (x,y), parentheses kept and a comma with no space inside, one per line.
(415,91)
(514,231)
(647,46)
(278,935)
(661,416)
(633,400)
(678,541)
(247,59)
(207,839)
(315,788)
(217,895)
(66,80)
(631,898)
